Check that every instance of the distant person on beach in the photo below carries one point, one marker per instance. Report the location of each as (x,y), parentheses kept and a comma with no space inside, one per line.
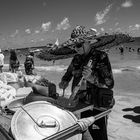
(53,62)
(121,50)
(138,50)
(1,61)
(29,64)
(13,62)
(99,78)
(129,49)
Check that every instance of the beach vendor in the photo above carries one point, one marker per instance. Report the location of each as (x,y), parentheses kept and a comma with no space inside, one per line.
(1,60)
(29,64)
(98,77)
(13,62)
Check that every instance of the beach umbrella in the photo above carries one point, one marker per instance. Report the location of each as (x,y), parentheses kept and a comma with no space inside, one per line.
(104,42)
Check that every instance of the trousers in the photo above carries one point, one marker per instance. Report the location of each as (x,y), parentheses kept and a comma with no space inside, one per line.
(99,133)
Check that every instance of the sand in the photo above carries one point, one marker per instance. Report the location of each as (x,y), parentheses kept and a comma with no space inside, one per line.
(122,125)
(124,120)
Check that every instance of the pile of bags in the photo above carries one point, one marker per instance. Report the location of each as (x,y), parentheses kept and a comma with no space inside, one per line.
(15,85)
(7,92)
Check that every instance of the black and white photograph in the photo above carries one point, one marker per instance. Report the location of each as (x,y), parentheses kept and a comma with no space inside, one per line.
(69,70)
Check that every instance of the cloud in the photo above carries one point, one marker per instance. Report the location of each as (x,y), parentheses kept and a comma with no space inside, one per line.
(42,39)
(44,4)
(33,40)
(100,16)
(28,31)
(134,27)
(64,25)
(127,4)
(15,34)
(46,26)
(118,8)
(37,31)
(118,29)
(137,26)
(117,23)
(102,29)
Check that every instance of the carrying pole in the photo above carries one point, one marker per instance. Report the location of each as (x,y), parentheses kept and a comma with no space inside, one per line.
(76,127)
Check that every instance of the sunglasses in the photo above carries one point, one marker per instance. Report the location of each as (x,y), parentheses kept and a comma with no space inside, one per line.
(78,45)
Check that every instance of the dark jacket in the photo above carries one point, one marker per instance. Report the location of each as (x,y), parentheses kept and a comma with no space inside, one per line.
(29,62)
(101,69)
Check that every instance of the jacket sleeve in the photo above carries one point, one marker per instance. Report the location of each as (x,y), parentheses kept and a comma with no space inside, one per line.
(102,72)
(68,75)
(105,71)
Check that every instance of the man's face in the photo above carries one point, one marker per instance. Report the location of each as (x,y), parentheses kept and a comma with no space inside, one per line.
(79,49)
(82,48)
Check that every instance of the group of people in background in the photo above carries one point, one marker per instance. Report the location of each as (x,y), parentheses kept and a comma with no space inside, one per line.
(14,63)
(122,49)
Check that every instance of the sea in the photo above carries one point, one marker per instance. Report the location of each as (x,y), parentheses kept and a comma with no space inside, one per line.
(122,125)
(129,60)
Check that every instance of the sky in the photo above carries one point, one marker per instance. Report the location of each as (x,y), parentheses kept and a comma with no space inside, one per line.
(26,23)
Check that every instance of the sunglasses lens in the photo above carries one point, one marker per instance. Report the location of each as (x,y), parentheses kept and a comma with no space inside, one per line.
(78,46)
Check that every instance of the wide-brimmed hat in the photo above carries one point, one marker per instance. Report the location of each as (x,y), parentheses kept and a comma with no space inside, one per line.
(79,35)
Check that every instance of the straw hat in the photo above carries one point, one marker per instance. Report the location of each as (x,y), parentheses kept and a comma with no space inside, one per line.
(79,35)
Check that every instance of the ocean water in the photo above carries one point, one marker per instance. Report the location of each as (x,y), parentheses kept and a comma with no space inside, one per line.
(124,65)
(126,71)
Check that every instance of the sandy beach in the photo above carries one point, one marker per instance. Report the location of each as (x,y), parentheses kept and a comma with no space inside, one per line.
(124,120)
(50,28)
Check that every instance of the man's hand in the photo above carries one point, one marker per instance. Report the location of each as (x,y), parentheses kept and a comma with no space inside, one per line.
(87,72)
(63,84)
(86,122)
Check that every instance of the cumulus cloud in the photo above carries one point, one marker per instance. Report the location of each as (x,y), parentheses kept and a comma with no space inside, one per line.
(15,33)
(127,4)
(42,39)
(28,31)
(102,29)
(63,25)
(37,31)
(44,4)
(137,26)
(117,23)
(100,16)
(134,27)
(46,26)
(118,29)
(32,40)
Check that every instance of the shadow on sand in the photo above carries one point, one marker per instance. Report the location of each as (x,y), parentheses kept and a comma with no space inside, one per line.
(135,118)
